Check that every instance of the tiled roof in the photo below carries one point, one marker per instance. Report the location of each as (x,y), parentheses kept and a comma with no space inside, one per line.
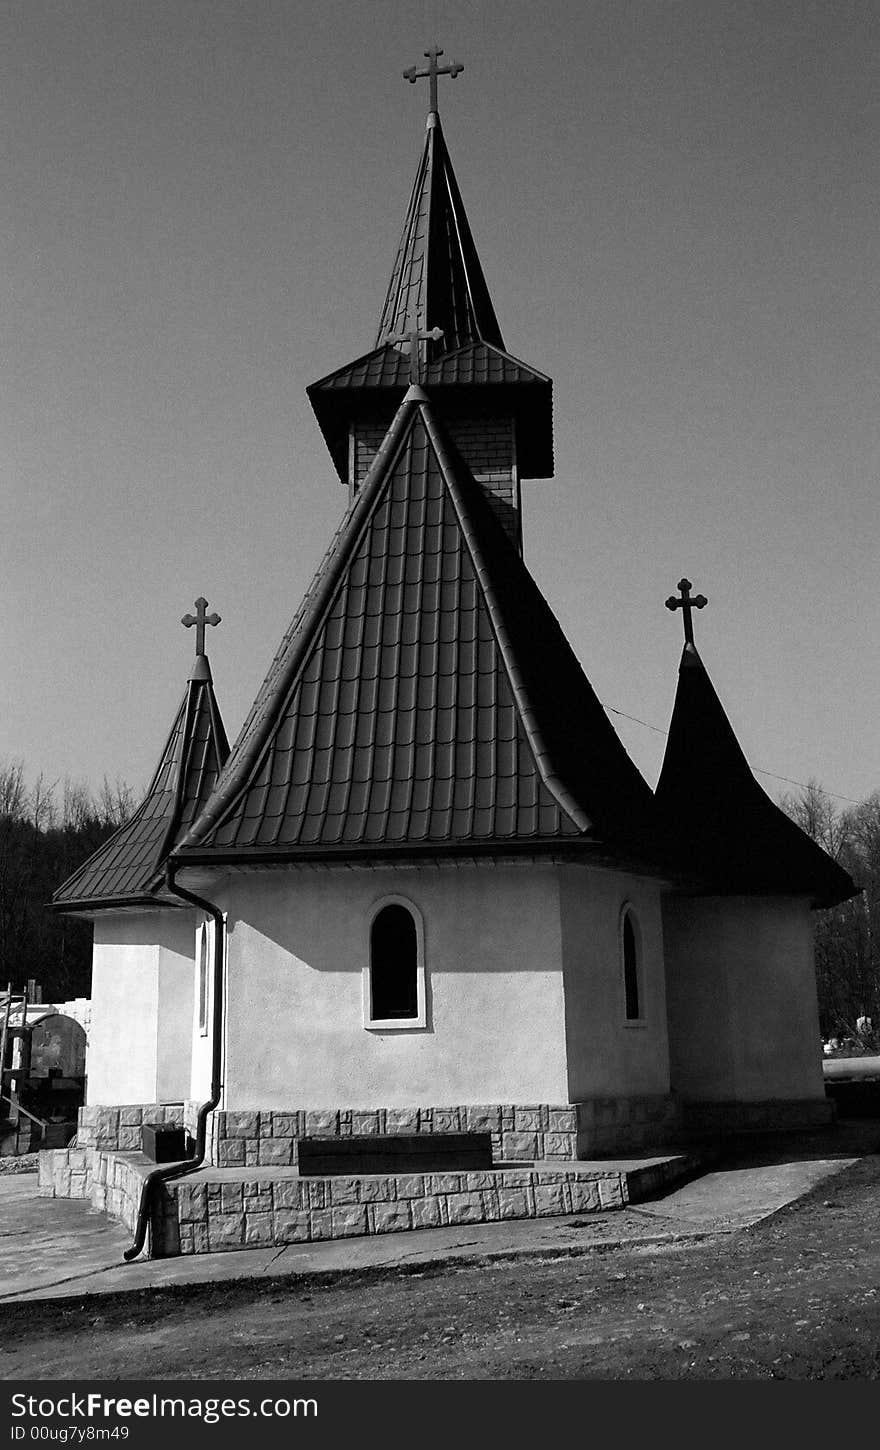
(424,697)
(437,279)
(476,363)
(724,827)
(376,383)
(123,870)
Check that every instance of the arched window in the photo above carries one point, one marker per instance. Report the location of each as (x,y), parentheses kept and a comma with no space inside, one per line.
(631,953)
(395,986)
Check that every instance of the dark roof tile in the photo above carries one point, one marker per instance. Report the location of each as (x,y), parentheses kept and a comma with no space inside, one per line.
(124,869)
(445,733)
(437,280)
(718,818)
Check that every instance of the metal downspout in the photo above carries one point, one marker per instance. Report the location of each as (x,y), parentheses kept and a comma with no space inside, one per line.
(165,1174)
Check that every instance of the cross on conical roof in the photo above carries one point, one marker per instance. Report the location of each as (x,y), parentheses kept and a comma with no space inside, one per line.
(438,291)
(124,871)
(724,829)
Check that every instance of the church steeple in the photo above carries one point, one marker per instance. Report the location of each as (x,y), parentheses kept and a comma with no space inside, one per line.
(125,871)
(438,325)
(713,810)
(437,280)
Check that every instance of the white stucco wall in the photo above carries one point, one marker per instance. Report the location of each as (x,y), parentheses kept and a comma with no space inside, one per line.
(741,988)
(296,946)
(607,1056)
(140,1041)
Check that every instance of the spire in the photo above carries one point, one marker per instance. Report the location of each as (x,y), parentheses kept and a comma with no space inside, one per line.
(123,871)
(437,280)
(725,829)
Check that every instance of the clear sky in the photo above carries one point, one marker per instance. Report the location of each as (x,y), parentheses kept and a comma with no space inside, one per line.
(676,209)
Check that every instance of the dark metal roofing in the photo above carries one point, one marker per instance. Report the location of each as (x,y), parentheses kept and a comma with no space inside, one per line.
(726,830)
(481,376)
(123,870)
(437,279)
(424,696)
(387,366)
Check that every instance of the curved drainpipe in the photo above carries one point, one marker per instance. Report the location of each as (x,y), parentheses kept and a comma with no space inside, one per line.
(190,1165)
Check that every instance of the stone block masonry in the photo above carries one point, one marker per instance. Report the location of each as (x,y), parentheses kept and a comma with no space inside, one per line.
(249,1192)
(219,1210)
(270,1139)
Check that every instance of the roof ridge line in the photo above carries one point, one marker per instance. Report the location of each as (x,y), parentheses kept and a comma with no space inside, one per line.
(534,736)
(181,766)
(313,610)
(406,234)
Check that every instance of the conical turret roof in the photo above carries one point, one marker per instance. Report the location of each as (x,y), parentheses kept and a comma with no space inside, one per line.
(124,871)
(437,280)
(724,828)
(424,699)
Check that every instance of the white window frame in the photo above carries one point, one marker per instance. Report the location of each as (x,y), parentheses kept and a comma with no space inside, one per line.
(396,1024)
(628,910)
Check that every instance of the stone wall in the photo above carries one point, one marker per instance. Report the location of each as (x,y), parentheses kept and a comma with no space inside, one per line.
(626,1125)
(269,1139)
(275,1210)
(520,1133)
(110,1181)
(120,1127)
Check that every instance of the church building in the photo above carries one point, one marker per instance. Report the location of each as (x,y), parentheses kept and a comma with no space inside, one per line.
(429,851)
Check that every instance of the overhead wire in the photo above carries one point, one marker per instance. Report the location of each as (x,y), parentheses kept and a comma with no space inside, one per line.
(771,774)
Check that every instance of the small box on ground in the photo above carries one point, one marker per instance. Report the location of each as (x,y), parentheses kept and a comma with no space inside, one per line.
(164,1144)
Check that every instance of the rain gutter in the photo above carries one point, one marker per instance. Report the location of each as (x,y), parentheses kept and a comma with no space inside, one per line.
(167,1172)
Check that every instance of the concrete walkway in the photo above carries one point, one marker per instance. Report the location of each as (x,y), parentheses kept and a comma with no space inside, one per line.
(58,1248)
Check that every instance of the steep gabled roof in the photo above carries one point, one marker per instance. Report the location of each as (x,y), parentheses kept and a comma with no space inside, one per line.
(718,817)
(425,697)
(123,871)
(437,279)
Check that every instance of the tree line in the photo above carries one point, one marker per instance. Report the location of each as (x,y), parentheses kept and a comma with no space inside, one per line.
(46,832)
(847,936)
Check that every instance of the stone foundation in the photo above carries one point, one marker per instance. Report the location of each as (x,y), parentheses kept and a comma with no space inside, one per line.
(120,1128)
(551,1132)
(249,1192)
(216,1210)
(269,1139)
(626,1125)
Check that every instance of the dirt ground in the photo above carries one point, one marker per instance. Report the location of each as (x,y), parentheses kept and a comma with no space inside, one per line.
(796,1297)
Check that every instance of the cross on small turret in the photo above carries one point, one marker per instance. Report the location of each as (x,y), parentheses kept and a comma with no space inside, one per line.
(434,70)
(200,619)
(686,605)
(414,337)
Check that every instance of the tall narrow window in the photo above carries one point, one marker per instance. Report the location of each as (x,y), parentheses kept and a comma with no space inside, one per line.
(394,965)
(203,979)
(631,969)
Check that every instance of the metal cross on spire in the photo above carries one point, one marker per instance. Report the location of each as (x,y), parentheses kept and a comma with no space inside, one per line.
(686,605)
(200,619)
(414,337)
(434,70)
